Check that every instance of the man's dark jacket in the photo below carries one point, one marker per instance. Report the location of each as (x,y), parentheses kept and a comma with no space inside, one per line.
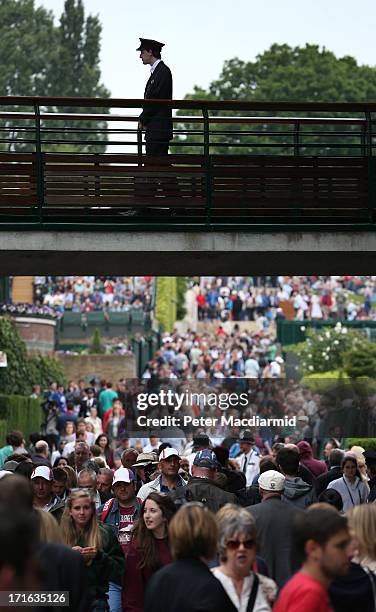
(158,119)
(203,490)
(372,490)
(274,519)
(323,480)
(186,585)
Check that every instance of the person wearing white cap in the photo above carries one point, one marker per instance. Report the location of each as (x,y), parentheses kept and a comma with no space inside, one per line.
(44,498)
(274,519)
(120,513)
(169,478)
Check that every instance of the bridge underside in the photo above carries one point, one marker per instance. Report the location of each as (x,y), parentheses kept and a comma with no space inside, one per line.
(187,253)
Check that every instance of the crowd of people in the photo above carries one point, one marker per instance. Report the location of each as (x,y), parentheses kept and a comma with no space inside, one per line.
(207,519)
(84,294)
(218,355)
(29,309)
(243,298)
(158,529)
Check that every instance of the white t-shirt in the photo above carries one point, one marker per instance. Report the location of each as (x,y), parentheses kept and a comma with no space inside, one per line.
(240,603)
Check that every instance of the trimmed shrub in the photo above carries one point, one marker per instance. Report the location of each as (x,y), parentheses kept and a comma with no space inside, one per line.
(366,443)
(23,413)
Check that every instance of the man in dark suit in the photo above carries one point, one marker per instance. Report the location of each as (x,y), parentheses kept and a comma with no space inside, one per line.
(156,120)
(335,471)
(274,520)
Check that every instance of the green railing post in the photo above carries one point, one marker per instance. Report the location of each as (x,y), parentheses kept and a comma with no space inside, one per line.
(297,139)
(363,140)
(208,167)
(39,164)
(371,172)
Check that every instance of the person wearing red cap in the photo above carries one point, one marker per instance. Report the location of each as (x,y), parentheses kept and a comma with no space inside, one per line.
(156,120)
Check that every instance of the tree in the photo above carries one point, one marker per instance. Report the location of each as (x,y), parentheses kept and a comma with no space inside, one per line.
(284,73)
(76,69)
(15,378)
(96,343)
(41,59)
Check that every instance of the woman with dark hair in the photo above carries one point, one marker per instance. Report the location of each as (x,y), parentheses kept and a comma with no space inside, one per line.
(351,487)
(60,462)
(149,549)
(107,453)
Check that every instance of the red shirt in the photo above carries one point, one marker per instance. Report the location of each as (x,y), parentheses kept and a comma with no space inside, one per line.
(303,594)
(136,579)
(125,526)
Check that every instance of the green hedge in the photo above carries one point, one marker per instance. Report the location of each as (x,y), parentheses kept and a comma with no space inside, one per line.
(366,443)
(22,413)
(3,431)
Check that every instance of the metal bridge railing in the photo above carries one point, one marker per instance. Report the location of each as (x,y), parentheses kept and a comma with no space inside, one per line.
(69,162)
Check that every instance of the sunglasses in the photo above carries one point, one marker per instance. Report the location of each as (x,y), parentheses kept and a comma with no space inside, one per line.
(234,544)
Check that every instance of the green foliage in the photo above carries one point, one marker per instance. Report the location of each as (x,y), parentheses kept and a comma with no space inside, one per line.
(41,59)
(22,370)
(181,290)
(361,362)
(324,350)
(44,370)
(366,443)
(23,413)
(3,431)
(166,300)
(96,343)
(15,378)
(324,381)
(284,73)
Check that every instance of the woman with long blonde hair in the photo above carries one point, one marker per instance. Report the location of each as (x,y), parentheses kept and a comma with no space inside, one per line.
(96,542)
(362,523)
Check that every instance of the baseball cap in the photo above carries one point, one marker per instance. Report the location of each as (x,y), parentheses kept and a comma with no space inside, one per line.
(271,480)
(122,474)
(42,471)
(206,459)
(168,452)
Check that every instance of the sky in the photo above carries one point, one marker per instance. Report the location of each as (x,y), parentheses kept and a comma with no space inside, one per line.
(201,34)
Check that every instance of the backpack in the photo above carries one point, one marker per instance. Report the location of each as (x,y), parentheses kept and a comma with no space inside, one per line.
(106,509)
